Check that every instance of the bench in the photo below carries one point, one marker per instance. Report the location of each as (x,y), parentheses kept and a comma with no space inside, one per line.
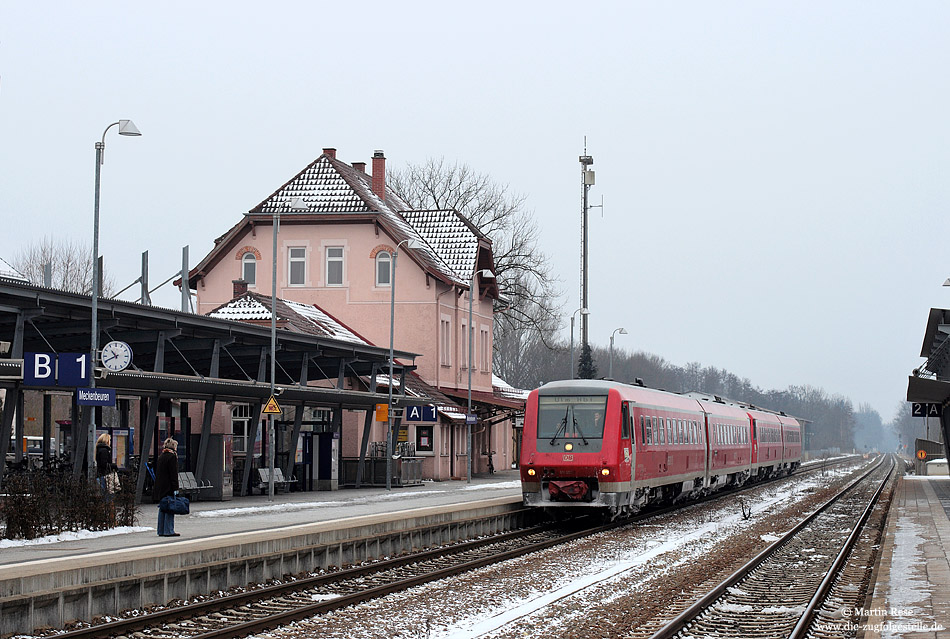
(279,480)
(191,487)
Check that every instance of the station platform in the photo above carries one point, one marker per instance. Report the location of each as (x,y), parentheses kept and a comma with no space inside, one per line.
(256,513)
(911,593)
(243,541)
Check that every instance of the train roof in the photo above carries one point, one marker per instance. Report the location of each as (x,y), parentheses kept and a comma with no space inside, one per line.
(638,394)
(692,401)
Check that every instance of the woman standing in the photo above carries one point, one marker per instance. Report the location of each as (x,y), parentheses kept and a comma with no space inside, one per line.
(104,465)
(166,483)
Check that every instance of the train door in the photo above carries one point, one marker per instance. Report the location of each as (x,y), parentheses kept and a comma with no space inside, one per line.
(627,449)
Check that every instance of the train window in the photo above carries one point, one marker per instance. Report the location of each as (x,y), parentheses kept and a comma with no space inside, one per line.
(648,437)
(663,434)
(625,421)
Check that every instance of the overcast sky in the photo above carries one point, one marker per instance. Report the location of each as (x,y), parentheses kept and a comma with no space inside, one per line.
(774,175)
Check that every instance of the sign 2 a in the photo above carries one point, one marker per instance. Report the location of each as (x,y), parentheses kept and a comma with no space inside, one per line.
(926,409)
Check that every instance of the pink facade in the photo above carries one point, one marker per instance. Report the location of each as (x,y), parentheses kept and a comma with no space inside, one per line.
(339,228)
(424,307)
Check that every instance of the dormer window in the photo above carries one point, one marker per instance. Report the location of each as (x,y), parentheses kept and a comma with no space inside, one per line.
(249,269)
(384,263)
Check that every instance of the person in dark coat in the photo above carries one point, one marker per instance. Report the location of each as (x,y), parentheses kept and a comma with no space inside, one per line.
(166,483)
(104,465)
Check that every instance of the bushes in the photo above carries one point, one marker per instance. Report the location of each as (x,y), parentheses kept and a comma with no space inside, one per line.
(37,504)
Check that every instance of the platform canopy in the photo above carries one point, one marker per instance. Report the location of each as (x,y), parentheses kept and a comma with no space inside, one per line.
(186,356)
(930,382)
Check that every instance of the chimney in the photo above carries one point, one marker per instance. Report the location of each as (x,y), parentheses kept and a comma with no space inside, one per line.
(379,175)
(360,166)
(240,288)
(330,152)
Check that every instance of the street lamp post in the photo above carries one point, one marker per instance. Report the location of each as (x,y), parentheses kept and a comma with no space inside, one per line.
(610,369)
(415,245)
(488,275)
(583,311)
(126,127)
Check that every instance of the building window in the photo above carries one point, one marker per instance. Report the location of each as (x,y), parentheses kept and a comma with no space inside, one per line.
(297,266)
(240,420)
(383,269)
(463,355)
(445,337)
(249,269)
(334,266)
(485,350)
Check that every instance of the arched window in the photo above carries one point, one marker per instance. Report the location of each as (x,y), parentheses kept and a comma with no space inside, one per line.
(383,269)
(249,269)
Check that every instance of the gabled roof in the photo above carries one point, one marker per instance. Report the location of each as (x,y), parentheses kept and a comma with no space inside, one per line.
(451,244)
(292,316)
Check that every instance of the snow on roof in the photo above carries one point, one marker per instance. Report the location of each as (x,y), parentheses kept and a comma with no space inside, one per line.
(331,187)
(304,318)
(503,388)
(9,272)
(450,236)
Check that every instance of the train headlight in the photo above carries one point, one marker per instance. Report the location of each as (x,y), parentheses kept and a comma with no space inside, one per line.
(568,446)
(532,472)
(605,472)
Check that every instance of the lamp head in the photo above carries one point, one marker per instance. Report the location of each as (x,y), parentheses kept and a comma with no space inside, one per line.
(584,311)
(298,204)
(127,127)
(623,331)
(486,274)
(947,283)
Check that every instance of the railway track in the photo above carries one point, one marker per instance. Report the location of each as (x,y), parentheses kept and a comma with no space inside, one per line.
(808,583)
(268,607)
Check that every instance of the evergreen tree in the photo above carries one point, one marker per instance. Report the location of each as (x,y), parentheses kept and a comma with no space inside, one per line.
(586,367)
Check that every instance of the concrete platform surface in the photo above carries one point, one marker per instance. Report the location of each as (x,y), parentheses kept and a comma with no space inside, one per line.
(911,596)
(257,513)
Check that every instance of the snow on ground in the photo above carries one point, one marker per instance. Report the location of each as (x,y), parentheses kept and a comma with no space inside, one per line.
(496,486)
(540,593)
(240,511)
(907,587)
(72,536)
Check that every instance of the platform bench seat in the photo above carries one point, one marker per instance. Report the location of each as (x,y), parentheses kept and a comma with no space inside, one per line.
(280,482)
(191,487)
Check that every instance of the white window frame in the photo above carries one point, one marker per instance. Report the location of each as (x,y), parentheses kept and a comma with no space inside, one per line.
(245,262)
(291,260)
(327,260)
(384,256)
(240,416)
(445,340)
(485,348)
(463,352)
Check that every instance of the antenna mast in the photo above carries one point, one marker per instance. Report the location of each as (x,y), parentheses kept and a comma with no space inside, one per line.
(587,180)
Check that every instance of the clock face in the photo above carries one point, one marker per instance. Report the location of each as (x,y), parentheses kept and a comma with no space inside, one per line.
(116,356)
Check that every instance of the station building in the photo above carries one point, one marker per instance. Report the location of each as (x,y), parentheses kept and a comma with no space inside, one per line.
(345,241)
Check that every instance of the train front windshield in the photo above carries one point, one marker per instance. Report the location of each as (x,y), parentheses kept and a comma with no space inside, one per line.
(577,420)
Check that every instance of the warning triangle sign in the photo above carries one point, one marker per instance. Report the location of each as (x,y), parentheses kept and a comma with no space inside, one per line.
(271,408)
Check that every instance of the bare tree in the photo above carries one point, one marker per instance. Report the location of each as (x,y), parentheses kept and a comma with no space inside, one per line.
(72,266)
(523,271)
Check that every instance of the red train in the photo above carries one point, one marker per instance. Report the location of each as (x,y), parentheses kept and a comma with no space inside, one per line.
(601,444)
